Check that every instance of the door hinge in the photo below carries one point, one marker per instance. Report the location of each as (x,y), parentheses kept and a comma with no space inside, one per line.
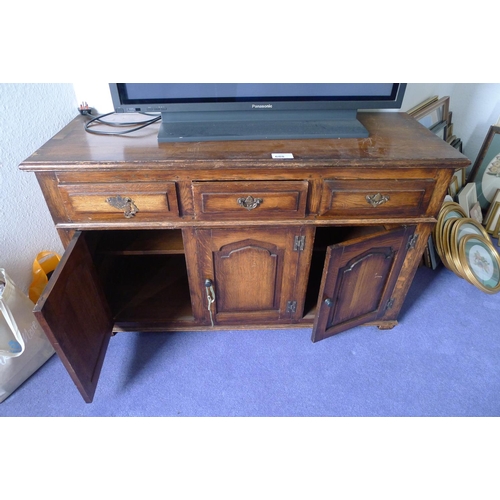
(389,304)
(299,243)
(412,242)
(291,306)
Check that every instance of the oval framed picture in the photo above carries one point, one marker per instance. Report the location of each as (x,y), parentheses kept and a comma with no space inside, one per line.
(446,245)
(480,262)
(461,228)
(486,169)
(449,210)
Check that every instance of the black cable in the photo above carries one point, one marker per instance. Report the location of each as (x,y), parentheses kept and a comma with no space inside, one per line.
(98,120)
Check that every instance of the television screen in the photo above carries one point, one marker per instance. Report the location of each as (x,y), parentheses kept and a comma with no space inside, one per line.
(243,111)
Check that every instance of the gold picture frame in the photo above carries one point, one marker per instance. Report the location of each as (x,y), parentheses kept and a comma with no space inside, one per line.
(461,228)
(496,234)
(492,226)
(480,263)
(422,105)
(434,113)
(440,234)
(491,217)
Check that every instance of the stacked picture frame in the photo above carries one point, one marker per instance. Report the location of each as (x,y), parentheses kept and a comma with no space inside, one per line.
(469,219)
(465,248)
(435,114)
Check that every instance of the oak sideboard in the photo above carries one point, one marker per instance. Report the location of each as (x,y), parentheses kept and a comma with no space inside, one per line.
(319,233)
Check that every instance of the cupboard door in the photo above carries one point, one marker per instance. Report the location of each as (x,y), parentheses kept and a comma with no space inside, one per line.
(358,280)
(75,316)
(255,275)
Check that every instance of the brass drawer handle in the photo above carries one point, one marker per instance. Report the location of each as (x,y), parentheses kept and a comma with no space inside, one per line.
(123,203)
(249,202)
(377,199)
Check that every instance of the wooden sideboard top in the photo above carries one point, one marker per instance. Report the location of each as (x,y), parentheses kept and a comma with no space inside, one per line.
(395,139)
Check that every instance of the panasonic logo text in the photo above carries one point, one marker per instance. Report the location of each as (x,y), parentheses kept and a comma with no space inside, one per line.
(262,106)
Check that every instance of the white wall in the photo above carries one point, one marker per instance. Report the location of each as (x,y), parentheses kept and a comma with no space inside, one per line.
(476,106)
(31,113)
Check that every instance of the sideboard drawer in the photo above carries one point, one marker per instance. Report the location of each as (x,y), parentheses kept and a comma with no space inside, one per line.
(249,200)
(140,201)
(375,198)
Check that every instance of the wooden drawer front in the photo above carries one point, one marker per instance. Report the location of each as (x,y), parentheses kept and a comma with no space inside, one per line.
(376,198)
(139,201)
(250,200)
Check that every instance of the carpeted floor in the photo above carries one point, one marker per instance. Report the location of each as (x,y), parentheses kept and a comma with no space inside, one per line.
(443,359)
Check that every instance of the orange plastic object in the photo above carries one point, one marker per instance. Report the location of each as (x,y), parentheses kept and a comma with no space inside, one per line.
(43,266)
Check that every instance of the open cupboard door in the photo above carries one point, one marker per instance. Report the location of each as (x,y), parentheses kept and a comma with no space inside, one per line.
(74,313)
(358,279)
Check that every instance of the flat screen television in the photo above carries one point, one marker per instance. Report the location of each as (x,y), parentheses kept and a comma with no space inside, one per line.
(254,111)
